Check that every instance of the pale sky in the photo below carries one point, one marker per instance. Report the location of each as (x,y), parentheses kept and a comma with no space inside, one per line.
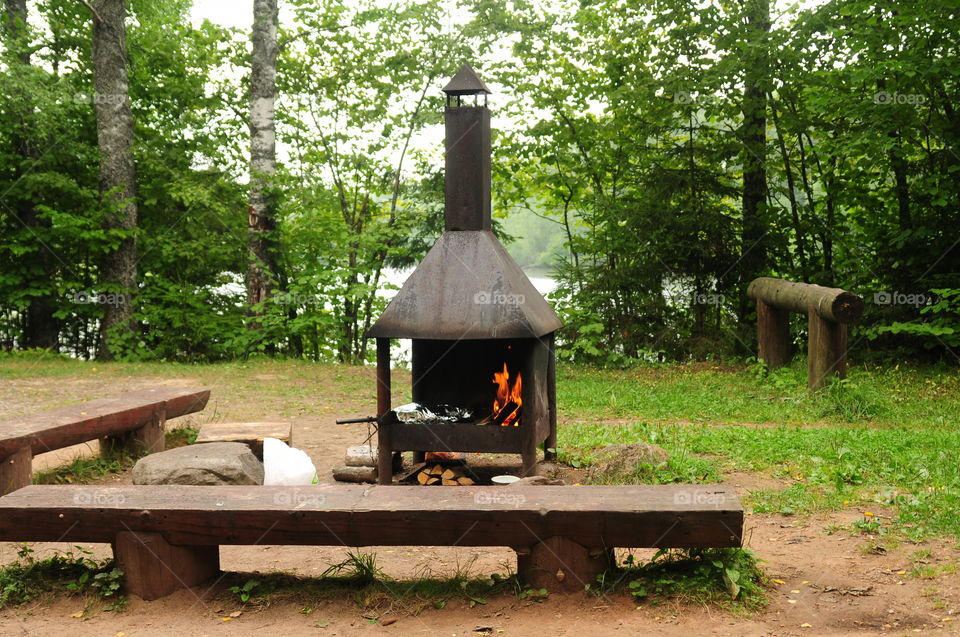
(230,13)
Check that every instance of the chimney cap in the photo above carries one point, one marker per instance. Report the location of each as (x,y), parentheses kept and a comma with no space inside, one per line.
(466,82)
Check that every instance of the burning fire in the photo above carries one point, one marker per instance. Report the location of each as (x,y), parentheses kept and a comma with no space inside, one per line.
(508,397)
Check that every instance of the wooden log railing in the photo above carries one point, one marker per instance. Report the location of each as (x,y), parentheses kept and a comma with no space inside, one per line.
(828,311)
(133,422)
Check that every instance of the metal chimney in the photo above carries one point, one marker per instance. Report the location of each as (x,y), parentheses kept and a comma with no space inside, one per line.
(467,204)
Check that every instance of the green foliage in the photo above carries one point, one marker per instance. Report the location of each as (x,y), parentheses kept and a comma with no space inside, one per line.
(620,164)
(28,578)
(246,591)
(701,575)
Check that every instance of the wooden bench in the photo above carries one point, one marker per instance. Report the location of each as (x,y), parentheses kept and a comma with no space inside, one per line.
(249,433)
(133,421)
(166,537)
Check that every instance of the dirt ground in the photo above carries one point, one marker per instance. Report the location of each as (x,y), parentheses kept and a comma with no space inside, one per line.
(821,584)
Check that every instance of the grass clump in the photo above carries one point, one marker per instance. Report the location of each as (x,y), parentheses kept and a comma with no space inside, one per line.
(28,578)
(181,436)
(728,577)
(83,470)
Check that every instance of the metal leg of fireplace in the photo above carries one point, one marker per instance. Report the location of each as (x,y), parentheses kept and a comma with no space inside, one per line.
(384,448)
(529,457)
(384,457)
(550,445)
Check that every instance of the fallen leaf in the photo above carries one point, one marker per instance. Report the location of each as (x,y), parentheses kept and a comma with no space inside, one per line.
(79,613)
(121,634)
(386,621)
(236,613)
(791,601)
(901,572)
(226,619)
(805,625)
(778,581)
(795,591)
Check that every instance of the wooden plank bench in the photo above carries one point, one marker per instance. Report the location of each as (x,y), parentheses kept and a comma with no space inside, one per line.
(133,421)
(166,537)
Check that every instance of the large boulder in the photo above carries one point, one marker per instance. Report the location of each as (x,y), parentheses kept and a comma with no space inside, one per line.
(210,463)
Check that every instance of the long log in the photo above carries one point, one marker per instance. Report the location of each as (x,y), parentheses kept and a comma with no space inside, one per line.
(832,304)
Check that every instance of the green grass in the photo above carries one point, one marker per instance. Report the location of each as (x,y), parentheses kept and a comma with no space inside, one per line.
(912,470)
(701,393)
(83,470)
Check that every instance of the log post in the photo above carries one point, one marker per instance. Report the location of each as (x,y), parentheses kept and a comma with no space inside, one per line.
(150,438)
(384,446)
(153,568)
(773,335)
(828,311)
(561,565)
(16,470)
(826,351)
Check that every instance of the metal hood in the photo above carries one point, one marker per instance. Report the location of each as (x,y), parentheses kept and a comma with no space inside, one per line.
(467,287)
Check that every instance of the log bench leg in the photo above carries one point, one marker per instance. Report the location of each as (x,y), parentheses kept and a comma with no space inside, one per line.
(154,568)
(773,335)
(826,350)
(147,439)
(561,565)
(16,470)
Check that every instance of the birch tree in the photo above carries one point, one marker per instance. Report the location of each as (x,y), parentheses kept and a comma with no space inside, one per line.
(117,171)
(261,219)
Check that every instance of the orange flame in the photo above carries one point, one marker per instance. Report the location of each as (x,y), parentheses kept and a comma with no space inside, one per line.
(506,394)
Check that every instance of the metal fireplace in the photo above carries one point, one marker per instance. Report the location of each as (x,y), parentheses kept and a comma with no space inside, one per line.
(482,337)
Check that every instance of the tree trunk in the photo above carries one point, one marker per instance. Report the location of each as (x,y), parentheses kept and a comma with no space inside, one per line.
(117,171)
(792,194)
(40,327)
(261,220)
(755,63)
